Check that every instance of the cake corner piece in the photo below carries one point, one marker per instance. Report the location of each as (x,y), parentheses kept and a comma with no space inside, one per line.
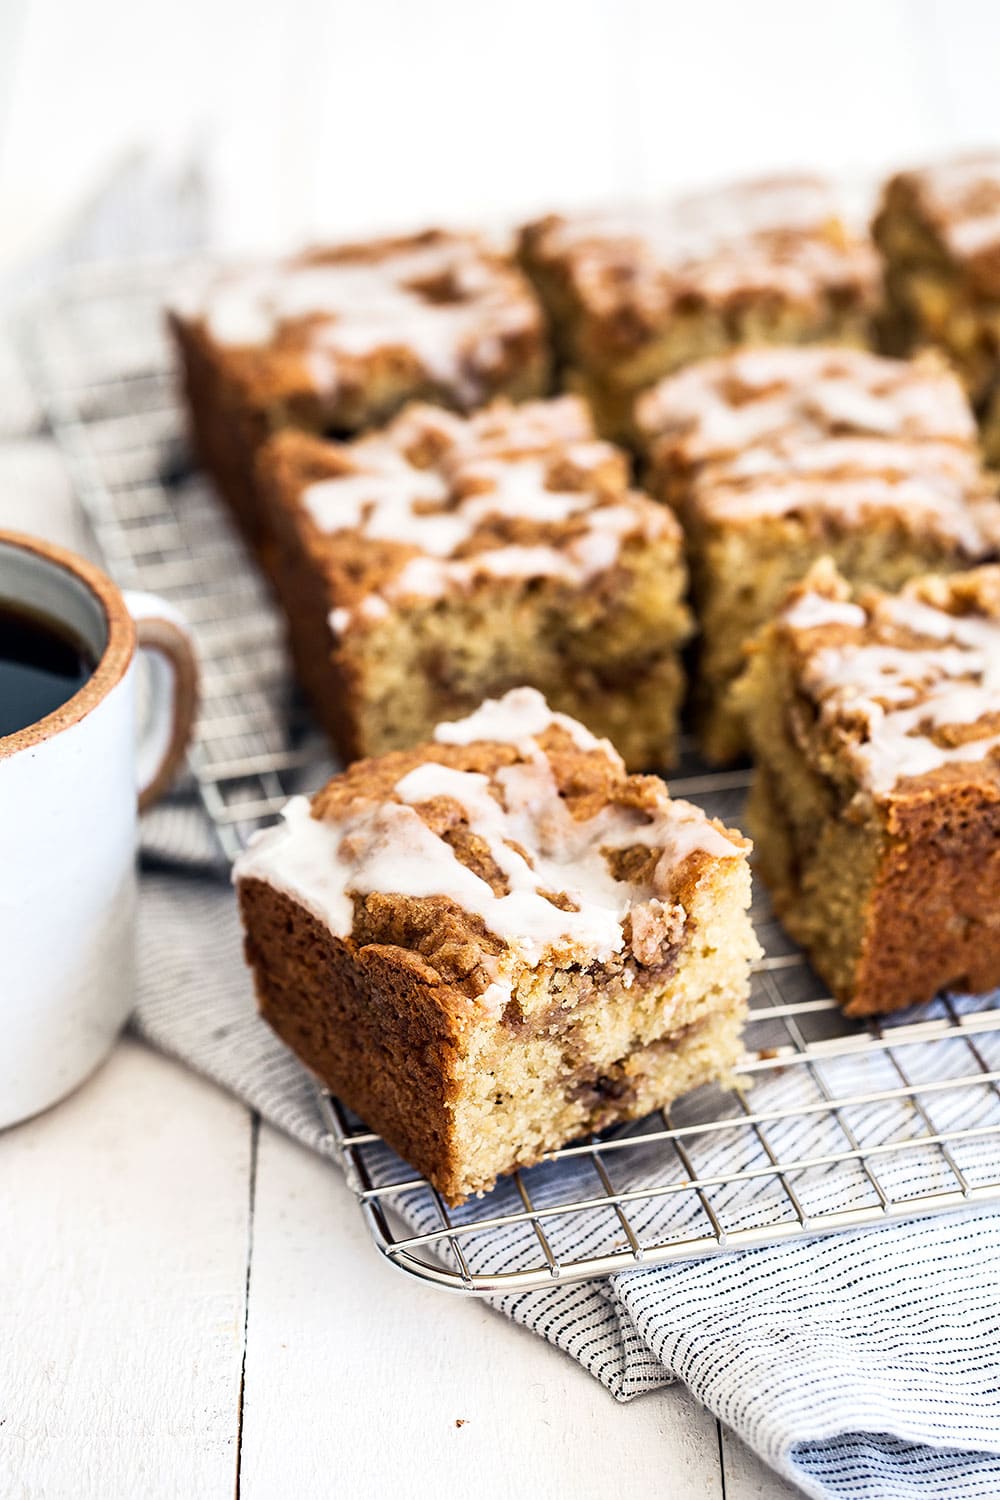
(637,292)
(937,228)
(499,941)
(339,338)
(875,806)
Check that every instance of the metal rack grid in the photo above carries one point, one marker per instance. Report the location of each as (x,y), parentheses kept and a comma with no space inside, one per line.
(833,1125)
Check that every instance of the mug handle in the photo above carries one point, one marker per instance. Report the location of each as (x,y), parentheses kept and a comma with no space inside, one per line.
(165,641)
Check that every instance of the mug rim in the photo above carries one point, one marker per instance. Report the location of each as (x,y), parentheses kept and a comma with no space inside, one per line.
(114,661)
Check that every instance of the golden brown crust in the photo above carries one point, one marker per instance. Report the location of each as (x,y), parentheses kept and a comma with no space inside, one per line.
(379,1033)
(494,942)
(614,282)
(451,942)
(876,803)
(955,204)
(468,460)
(777,400)
(775,457)
(938,230)
(495,550)
(822,655)
(226,434)
(395,1046)
(438,316)
(933,918)
(278,351)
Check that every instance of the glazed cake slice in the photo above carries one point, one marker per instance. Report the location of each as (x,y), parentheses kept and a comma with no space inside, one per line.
(499,941)
(773,458)
(938,229)
(634,295)
(875,807)
(447,559)
(339,339)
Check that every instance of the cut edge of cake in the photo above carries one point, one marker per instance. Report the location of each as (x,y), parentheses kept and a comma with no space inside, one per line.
(875,803)
(499,941)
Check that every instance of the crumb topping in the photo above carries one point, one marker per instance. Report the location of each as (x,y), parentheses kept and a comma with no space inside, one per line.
(486,856)
(444,301)
(762,398)
(435,502)
(961,200)
(954,508)
(781,235)
(826,433)
(909,682)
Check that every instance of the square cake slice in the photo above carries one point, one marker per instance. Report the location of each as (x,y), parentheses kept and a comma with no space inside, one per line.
(446,559)
(339,339)
(635,294)
(773,458)
(938,229)
(496,942)
(875,806)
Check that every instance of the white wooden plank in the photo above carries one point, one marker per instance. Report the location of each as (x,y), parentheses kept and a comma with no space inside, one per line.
(446,110)
(94,82)
(122,1276)
(356,1376)
(955,49)
(340,118)
(11,23)
(747,1477)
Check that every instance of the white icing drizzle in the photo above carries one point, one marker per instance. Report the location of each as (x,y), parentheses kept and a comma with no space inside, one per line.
(926,505)
(720,242)
(974,235)
(506,463)
(758,397)
(812,611)
(699,224)
(519,716)
(838,433)
(951,181)
(962,197)
(299,858)
(946,464)
(564,858)
(352,309)
(530,834)
(902,694)
(373,607)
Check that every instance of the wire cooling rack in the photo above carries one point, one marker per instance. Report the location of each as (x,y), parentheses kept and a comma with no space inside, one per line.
(833,1125)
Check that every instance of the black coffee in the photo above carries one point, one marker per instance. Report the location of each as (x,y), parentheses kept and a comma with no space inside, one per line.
(42,664)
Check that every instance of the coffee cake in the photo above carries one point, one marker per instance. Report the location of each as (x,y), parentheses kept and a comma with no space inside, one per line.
(875,808)
(498,941)
(636,294)
(773,458)
(938,229)
(339,339)
(447,558)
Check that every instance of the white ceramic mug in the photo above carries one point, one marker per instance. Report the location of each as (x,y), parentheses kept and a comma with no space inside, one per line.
(70,789)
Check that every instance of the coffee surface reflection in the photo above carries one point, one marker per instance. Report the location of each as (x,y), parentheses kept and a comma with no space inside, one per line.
(42,665)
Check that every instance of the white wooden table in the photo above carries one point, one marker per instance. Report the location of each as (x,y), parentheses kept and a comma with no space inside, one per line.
(190,1306)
